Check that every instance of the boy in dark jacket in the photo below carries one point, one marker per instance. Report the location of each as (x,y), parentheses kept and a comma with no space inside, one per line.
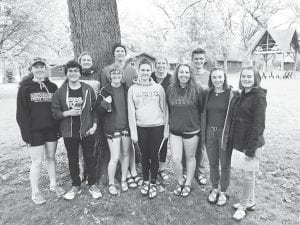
(73,104)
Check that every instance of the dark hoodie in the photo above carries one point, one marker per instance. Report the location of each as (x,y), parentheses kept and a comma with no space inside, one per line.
(91,77)
(248,121)
(166,81)
(90,74)
(34,106)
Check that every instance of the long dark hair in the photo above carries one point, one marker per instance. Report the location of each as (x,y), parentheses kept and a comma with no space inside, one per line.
(191,88)
(225,84)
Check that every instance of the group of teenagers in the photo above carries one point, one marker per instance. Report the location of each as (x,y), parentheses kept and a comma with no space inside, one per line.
(193,113)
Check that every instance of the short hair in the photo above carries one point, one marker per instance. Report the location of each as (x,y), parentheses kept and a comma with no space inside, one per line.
(225,84)
(161,58)
(83,54)
(257,77)
(73,64)
(145,61)
(198,51)
(116,45)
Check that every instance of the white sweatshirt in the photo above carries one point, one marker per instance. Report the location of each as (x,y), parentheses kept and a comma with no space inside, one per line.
(147,107)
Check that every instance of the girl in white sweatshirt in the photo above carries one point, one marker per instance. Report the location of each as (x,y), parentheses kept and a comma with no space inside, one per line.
(148,119)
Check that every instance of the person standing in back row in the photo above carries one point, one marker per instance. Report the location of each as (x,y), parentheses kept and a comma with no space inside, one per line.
(90,76)
(162,77)
(201,77)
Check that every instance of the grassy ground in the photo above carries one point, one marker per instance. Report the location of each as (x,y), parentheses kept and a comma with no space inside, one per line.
(277,189)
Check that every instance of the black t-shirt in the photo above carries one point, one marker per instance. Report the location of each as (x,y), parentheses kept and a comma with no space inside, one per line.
(75,101)
(216,108)
(120,107)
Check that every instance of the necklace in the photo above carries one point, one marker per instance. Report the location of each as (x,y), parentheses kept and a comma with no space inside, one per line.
(219,92)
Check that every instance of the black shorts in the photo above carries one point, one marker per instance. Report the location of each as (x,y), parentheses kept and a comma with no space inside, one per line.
(183,135)
(40,137)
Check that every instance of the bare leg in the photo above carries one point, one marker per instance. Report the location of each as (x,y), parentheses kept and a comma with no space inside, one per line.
(37,156)
(190,146)
(115,148)
(176,146)
(125,156)
(51,163)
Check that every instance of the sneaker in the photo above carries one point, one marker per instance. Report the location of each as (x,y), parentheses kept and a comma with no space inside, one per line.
(249,207)
(95,191)
(240,213)
(212,197)
(222,199)
(59,191)
(38,198)
(70,195)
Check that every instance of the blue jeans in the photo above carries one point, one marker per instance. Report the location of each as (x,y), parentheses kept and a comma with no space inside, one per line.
(216,155)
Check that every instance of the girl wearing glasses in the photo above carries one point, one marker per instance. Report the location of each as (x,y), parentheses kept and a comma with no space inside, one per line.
(111,106)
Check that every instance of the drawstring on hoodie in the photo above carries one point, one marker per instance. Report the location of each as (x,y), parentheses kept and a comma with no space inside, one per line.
(43,85)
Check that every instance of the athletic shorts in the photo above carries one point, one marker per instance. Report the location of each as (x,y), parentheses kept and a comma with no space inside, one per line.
(117,134)
(40,137)
(183,135)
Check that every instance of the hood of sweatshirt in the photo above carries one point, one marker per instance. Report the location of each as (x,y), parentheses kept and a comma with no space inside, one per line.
(261,91)
(88,71)
(28,81)
(139,82)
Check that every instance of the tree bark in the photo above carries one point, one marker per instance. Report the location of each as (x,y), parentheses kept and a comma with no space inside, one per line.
(95,28)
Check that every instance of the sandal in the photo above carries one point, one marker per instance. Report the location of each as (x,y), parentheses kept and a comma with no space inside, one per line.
(131,183)
(112,190)
(213,196)
(186,191)
(163,174)
(201,179)
(178,189)
(138,180)
(152,191)
(145,188)
(124,186)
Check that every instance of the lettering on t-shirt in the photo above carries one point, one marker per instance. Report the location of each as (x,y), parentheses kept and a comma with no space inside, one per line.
(75,102)
(41,97)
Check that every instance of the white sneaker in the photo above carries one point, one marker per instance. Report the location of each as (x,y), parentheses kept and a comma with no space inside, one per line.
(249,206)
(38,198)
(240,213)
(95,191)
(222,199)
(70,195)
(59,191)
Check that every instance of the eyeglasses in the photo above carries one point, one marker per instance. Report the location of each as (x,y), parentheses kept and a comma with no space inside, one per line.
(73,70)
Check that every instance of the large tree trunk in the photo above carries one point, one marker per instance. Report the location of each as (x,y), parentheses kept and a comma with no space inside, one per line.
(95,28)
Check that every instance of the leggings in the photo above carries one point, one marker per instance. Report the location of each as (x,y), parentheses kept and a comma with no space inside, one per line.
(150,139)
(163,151)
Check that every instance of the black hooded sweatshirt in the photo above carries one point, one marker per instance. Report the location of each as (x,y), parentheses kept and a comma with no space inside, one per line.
(248,121)
(34,106)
